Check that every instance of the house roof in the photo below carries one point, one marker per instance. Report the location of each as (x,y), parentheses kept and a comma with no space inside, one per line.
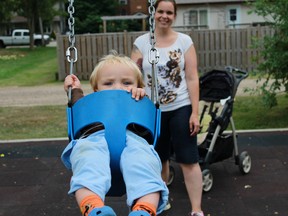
(124,17)
(206,1)
(18,19)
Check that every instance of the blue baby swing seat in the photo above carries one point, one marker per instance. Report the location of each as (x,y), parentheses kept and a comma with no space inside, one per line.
(116,110)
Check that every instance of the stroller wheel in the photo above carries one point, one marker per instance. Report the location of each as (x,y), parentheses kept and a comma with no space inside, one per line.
(207,180)
(245,162)
(171,175)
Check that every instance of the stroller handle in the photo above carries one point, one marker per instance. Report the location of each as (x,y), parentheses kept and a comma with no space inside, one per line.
(238,73)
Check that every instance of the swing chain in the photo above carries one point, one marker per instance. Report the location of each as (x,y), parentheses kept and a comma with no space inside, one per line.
(153,55)
(71,50)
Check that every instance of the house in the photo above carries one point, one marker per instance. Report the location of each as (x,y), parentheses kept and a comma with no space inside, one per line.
(215,14)
(191,14)
(129,10)
(132,7)
(202,14)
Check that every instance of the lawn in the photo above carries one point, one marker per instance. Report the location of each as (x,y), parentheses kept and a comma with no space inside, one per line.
(250,113)
(32,122)
(25,67)
(50,121)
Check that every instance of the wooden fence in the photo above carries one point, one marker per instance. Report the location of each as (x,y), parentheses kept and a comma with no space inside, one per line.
(215,49)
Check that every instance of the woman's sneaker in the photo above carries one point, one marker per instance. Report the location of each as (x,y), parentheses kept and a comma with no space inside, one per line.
(167,207)
(196,214)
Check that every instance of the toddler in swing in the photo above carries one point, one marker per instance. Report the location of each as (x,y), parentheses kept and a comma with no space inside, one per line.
(88,156)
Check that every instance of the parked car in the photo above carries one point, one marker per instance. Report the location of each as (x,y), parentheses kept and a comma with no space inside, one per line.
(22,37)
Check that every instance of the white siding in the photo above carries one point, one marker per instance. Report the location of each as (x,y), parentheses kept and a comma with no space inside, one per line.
(219,16)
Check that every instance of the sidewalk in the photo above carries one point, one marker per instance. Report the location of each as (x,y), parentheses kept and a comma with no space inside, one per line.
(53,94)
(50,94)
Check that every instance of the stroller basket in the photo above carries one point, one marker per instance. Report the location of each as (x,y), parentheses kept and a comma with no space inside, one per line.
(222,150)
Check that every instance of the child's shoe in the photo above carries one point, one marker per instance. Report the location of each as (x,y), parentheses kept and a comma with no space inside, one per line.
(103,211)
(138,213)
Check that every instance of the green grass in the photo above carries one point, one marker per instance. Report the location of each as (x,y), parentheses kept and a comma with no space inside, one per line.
(50,121)
(32,122)
(25,67)
(250,113)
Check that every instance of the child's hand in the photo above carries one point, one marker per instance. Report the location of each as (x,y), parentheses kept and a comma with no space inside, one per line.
(137,93)
(71,81)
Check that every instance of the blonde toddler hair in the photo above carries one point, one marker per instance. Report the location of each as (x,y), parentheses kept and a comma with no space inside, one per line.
(115,58)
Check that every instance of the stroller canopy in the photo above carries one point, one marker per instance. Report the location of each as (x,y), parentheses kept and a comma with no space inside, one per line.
(216,85)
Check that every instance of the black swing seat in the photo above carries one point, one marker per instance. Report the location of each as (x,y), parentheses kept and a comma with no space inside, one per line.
(116,110)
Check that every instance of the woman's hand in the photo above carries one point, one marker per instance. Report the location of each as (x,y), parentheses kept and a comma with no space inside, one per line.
(71,81)
(138,93)
(194,124)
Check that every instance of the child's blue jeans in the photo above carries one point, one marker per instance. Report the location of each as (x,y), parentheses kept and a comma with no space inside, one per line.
(140,165)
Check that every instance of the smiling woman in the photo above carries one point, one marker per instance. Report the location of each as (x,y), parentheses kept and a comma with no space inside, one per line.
(178,87)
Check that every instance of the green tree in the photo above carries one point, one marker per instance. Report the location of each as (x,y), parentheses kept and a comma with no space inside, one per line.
(88,14)
(7,7)
(274,52)
(46,13)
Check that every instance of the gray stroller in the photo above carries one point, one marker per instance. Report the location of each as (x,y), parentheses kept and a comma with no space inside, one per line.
(217,93)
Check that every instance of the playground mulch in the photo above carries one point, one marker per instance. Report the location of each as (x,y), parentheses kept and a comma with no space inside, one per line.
(33,181)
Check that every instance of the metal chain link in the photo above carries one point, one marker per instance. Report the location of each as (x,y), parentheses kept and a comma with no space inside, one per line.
(71,52)
(151,10)
(153,55)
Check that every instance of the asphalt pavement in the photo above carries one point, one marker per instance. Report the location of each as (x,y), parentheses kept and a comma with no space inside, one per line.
(33,181)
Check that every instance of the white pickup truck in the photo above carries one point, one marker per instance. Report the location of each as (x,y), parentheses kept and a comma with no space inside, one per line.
(22,37)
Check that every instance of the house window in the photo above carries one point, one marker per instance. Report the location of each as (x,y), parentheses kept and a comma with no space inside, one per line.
(203,17)
(123,2)
(123,11)
(233,15)
(196,18)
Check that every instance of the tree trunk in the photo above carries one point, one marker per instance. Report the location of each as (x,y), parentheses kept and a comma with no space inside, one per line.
(41,31)
(31,31)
